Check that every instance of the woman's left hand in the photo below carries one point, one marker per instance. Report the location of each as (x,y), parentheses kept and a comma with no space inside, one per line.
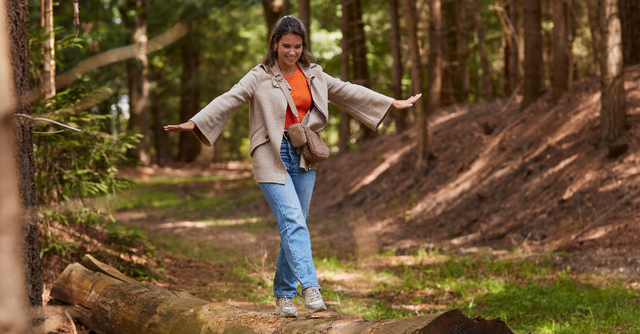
(403,104)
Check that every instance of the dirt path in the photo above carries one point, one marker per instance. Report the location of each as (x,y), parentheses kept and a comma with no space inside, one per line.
(217,230)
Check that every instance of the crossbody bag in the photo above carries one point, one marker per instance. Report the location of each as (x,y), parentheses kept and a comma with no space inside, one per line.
(313,147)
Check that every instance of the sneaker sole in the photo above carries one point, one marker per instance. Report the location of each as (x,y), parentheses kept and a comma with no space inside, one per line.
(314,307)
(287,312)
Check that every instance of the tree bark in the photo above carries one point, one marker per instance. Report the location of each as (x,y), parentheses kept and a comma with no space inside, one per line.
(506,41)
(344,132)
(304,14)
(190,95)
(359,54)
(482,49)
(630,20)
(593,8)
(137,73)
(18,23)
(560,72)
(533,65)
(449,52)
(514,59)
(48,50)
(273,10)
(399,116)
(219,150)
(93,288)
(435,71)
(463,50)
(613,118)
(13,315)
(160,137)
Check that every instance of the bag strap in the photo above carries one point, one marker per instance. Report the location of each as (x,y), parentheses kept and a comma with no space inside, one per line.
(280,78)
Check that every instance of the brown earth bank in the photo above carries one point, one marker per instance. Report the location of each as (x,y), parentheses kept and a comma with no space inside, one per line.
(498,178)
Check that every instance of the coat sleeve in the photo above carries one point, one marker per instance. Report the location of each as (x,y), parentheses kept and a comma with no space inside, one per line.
(211,120)
(366,105)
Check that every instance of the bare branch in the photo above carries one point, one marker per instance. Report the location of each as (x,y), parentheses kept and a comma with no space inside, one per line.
(49,121)
(113,56)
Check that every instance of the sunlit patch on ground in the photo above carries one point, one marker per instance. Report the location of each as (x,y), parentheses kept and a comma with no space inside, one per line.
(205,224)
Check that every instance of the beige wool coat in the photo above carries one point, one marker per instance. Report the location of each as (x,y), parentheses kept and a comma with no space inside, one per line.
(267,109)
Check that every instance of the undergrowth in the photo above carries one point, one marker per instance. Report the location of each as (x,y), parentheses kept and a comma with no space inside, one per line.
(72,169)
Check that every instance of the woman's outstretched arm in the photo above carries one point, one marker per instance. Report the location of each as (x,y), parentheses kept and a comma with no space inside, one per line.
(403,104)
(188,126)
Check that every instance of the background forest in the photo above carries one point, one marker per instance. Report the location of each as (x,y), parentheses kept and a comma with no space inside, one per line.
(481,57)
(530,109)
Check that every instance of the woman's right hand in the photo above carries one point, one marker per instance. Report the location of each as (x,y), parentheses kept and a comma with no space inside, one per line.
(188,126)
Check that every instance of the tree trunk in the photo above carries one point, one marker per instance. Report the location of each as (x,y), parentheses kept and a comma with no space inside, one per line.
(13,315)
(344,132)
(533,65)
(219,150)
(18,23)
(396,80)
(560,72)
(613,118)
(48,50)
(190,96)
(93,288)
(359,52)
(160,137)
(463,50)
(304,14)
(514,59)
(506,41)
(482,49)
(449,52)
(572,8)
(630,20)
(137,73)
(273,10)
(593,8)
(435,71)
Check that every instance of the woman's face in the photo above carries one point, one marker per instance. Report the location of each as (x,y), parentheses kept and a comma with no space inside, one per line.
(289,49)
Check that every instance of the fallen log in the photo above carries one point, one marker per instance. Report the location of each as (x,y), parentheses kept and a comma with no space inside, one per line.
(108,302)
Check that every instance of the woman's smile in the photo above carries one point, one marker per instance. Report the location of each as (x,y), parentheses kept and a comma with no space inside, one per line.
(289,51)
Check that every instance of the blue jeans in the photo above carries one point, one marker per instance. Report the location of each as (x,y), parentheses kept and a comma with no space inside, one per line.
(290,204)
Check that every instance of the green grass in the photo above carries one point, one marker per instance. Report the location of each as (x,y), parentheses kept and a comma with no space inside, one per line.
(566,304)
(190,197)
(529,293)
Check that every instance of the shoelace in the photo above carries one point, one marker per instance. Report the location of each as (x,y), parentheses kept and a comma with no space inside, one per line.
(312,293)
(284,301)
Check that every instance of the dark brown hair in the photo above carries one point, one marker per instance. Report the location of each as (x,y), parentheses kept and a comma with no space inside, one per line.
(284,26)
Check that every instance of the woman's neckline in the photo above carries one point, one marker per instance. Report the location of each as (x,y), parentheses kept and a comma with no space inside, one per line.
(283,70)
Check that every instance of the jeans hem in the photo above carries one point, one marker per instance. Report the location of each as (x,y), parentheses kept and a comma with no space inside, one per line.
(283,296)
(310,285)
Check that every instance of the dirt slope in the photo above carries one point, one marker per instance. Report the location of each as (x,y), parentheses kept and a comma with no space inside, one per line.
(530,178)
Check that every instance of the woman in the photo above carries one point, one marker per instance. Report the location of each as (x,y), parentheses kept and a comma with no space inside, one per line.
(285,177)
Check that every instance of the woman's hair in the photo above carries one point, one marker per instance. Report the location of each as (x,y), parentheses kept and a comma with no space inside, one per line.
(284,26)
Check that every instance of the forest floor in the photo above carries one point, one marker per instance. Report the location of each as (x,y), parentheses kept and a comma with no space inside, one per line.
(519,214)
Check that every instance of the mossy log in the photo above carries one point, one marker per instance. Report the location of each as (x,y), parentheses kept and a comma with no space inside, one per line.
(109,302)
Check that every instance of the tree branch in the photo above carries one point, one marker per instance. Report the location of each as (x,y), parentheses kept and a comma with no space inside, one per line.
(40,119)
(113,56)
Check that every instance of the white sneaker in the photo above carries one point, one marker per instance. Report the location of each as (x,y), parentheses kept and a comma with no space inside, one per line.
(285,307)
(313,300)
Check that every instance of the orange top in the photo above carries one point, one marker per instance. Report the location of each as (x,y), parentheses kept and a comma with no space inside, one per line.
(301,96)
